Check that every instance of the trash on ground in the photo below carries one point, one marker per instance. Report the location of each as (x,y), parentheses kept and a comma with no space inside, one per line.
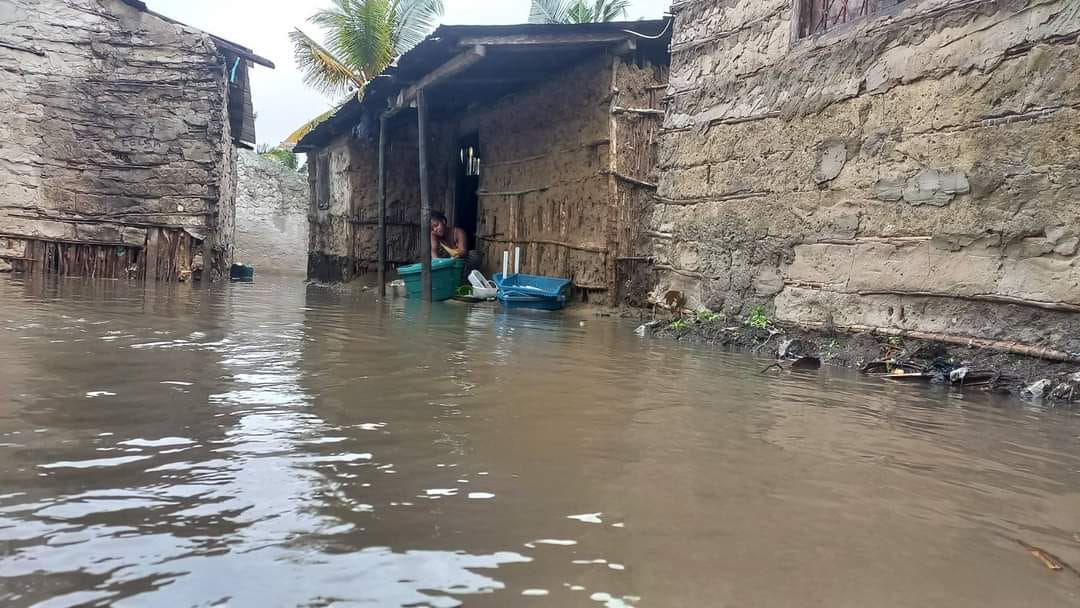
(805,362)
(888,366)
(1037,390)
(644,328)
(482,287)
(901,375)
(789,348)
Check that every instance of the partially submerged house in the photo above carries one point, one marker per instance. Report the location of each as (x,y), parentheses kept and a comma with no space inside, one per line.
(536,136)
(118,143)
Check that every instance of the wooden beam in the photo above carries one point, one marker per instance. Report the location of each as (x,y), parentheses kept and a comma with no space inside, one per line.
(425,198)
(586,247)
(611,226)
(458,64)
(641,111)
(382,207)
(636,181)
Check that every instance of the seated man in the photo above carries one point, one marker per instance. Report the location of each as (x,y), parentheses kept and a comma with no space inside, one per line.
(447,242)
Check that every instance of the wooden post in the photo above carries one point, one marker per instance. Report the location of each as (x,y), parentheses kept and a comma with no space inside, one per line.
(425,198)
(150,256)
(382,206)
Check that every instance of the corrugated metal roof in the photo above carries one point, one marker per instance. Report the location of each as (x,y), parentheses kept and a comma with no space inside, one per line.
(553,45)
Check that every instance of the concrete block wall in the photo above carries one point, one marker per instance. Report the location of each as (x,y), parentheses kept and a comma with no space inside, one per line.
(916,169)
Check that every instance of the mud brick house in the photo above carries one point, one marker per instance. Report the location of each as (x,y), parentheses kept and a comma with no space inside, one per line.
(897,164)
(536,136)
(118,140)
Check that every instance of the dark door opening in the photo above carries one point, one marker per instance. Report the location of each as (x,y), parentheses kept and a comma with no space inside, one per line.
(466,200)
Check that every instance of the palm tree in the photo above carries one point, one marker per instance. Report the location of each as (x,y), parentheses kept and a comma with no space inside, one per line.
(361,39)
(577,11)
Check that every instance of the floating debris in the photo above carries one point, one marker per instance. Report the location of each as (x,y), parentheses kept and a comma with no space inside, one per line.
(1048,559)
(807,362)
(901,375)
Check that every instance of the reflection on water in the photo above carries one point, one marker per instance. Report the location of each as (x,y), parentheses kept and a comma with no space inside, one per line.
(276,444)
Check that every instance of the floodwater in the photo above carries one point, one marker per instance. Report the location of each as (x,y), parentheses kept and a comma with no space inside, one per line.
(273,444)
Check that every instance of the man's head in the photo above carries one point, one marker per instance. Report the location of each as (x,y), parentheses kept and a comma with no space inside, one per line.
(438,223)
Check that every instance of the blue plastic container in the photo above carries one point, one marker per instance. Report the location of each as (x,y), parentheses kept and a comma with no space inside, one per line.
(445,277)
(532,291)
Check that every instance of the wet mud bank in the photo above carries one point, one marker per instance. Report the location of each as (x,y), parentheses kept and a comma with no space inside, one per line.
(901,359)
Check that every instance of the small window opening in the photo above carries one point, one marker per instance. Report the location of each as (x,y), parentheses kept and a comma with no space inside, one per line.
(817,16)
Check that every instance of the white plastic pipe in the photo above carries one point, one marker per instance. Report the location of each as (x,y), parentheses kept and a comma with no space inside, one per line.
(517,260)
(506,263)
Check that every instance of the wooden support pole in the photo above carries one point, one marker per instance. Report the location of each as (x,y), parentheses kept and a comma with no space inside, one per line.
(382,206)
(425,198)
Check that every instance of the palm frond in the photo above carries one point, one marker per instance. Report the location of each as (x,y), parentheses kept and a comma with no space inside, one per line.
(580,12)
(610,10)
(415,20)
(549,11)
(308,127)
(321,69)
(360,33)
(577,11)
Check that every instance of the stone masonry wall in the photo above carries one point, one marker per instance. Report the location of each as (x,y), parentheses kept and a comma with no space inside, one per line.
(114,133)
(271,216)
(918,169)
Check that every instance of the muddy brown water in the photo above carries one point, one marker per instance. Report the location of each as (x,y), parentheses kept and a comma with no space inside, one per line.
(273,444)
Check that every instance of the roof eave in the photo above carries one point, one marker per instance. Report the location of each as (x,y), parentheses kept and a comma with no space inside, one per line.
(221,43)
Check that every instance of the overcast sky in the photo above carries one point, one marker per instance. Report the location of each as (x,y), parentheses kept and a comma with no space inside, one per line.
(282,102)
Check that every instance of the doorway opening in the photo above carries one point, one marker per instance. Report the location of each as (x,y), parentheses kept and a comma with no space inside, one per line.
(467,199)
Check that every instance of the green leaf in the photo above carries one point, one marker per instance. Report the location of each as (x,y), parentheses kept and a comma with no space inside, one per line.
(577,11)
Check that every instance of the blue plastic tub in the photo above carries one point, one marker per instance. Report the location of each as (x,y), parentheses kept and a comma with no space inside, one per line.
(445,277)
(532,291)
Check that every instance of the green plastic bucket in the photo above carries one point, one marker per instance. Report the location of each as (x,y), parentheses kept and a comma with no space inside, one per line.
(445,277)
